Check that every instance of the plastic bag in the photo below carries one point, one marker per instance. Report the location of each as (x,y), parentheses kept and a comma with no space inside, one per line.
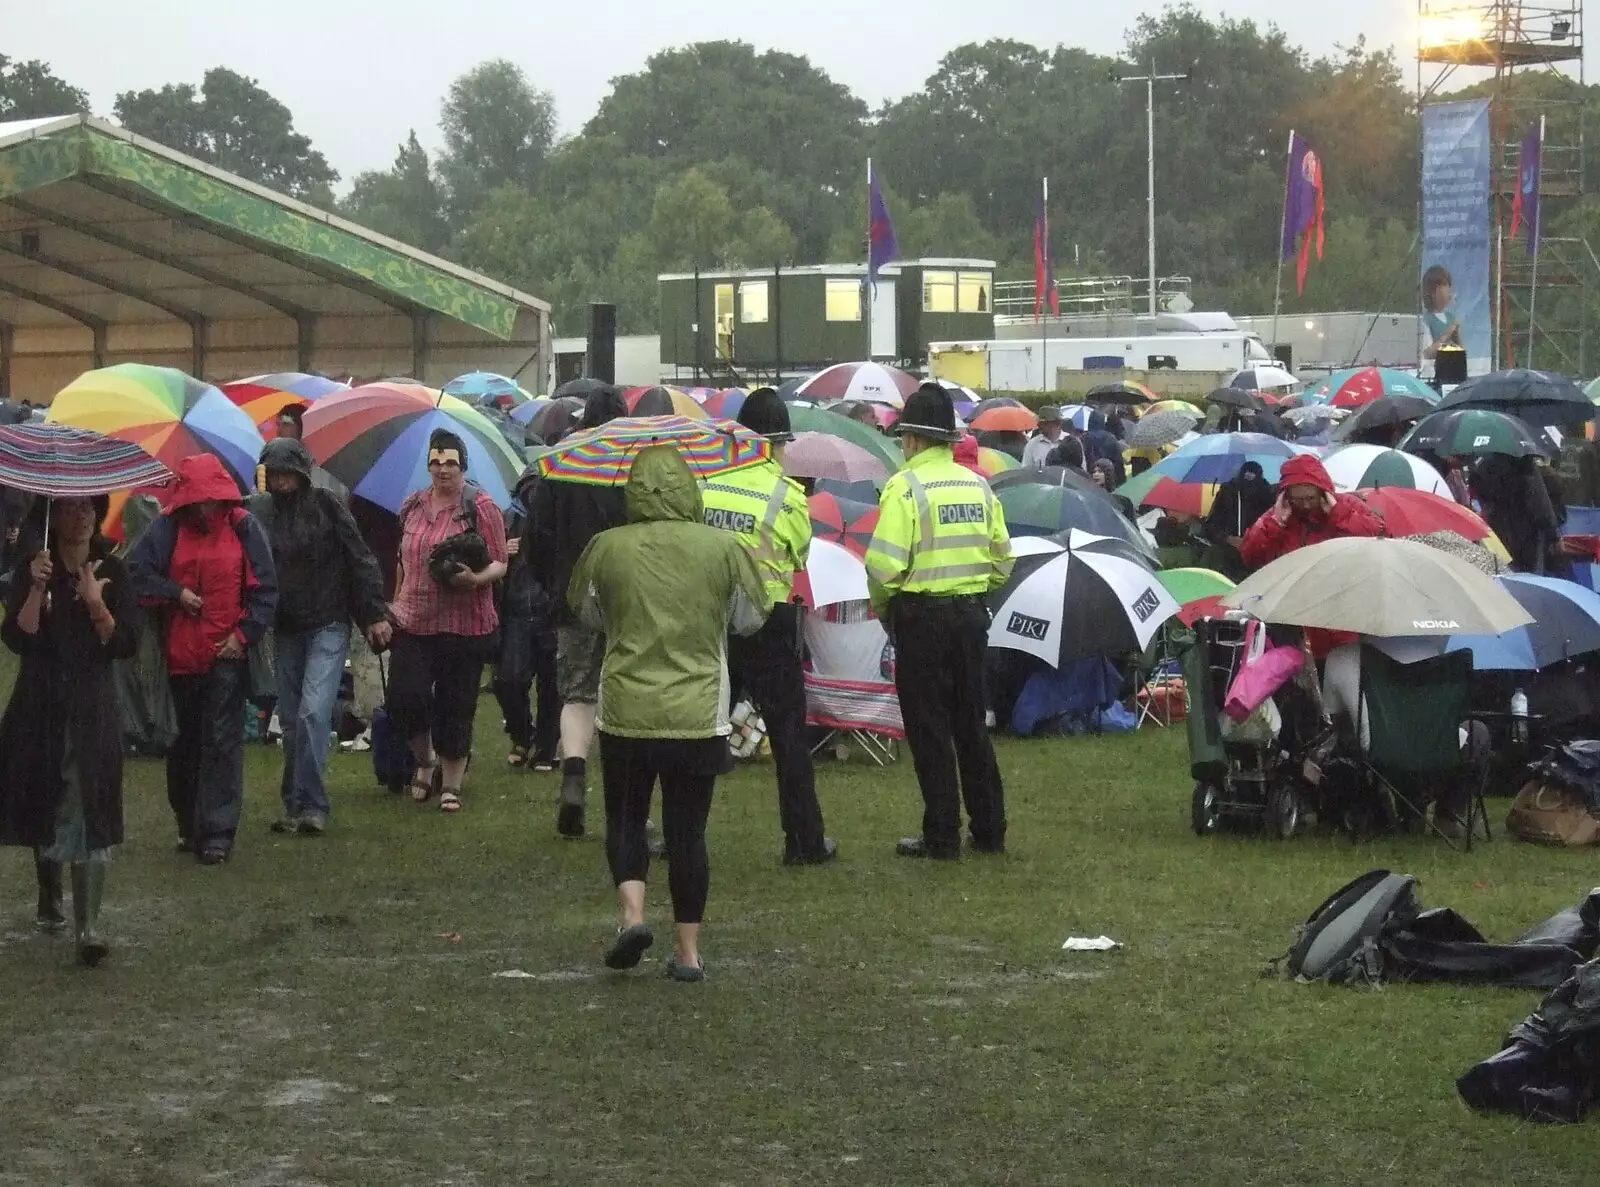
(1265,670)
(1260,728)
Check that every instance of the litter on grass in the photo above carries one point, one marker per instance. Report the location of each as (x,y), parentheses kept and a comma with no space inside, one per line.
(1085,944)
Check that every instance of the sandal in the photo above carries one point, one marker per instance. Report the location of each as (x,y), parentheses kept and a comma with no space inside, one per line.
(518,756)
(422,789)
(544,765)
(450,800)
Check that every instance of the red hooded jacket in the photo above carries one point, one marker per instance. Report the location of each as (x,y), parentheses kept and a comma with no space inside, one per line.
(965,452)
(1268,539)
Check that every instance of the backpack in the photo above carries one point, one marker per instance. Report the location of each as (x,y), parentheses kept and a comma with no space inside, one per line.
(1339,941)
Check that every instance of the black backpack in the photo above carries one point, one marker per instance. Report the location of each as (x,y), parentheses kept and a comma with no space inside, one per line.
(1339,941)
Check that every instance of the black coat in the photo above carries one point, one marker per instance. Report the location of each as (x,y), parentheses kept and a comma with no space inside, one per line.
(562,518)
(326,572)
(66,680)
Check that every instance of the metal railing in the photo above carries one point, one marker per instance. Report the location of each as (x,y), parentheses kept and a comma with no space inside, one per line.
(1090,295)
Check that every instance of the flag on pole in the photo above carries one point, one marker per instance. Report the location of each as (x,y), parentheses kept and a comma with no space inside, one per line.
(882,246)
(1302,206)
(1525,202)
(1044,264)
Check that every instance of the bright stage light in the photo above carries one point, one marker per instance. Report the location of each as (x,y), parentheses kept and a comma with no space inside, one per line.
(1453,26)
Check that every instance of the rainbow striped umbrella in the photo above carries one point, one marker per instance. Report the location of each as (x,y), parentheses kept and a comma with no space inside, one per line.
(603,456)
(164,412)
(63,462)
(263,397)
(994,461)
(374,439)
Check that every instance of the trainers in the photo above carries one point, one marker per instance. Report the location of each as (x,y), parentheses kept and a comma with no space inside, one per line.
(312,824)
(287,824)
(629,947)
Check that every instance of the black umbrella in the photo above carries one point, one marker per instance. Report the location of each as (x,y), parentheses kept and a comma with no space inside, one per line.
(789,388)
(582,387)
(556,419)
(994,402)
(1233,397)
(1383,413)
(1534,397)
(1474,432)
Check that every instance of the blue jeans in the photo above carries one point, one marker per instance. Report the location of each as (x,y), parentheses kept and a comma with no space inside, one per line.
(309,666)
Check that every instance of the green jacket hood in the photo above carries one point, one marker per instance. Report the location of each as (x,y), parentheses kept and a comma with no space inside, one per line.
(662,487)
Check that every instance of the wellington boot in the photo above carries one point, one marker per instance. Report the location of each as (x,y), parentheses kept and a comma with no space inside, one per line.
(49,916)
(88,888)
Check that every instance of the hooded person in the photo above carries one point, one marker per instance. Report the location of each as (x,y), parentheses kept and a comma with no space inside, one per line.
(1307,511)
(1240,501)
(664,592)
(207,565)
(562,518)
(527,646)
(327,579)
(1099,443)
(767,512)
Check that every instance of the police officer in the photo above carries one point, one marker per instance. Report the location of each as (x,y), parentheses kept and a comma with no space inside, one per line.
(768,512)
(940,548)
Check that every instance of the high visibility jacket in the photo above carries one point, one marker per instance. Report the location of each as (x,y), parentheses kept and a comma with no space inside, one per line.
(940,531)
(768,512)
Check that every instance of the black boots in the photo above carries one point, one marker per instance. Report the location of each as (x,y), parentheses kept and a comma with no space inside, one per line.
(49,917)
(88,887)
(574,796)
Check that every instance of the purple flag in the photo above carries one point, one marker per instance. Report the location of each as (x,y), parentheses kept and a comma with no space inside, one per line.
(1525,202)
(882,246)
(1302,206)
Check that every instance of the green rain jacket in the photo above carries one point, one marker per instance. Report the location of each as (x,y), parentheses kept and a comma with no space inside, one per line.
(666,590)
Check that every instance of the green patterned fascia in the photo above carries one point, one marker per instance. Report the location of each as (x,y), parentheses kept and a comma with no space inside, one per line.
(39,162)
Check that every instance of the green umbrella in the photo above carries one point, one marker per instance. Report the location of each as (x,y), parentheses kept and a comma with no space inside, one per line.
(1190,585)
(1473,432)
(820,420)
(1593,391)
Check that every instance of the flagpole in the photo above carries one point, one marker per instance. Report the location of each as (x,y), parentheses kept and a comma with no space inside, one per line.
(872,283)
(1538,217)
(1499,294)
(1044,248)
(1283,232)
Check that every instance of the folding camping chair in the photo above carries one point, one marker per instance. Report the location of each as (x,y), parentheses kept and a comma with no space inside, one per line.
(847,689)
(1158,678)
(1414,713)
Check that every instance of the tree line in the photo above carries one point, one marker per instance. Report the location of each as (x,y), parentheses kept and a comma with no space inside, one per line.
(717,155)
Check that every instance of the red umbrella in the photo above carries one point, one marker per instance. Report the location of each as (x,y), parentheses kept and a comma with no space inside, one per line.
(1409,512)
(1005,420)
(1210,607)
(1186,498)
(1361,389)
(843,521)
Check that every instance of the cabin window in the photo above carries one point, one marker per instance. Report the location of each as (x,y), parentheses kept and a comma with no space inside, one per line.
(974,292)
(843,300)
(938,292)
(753,302)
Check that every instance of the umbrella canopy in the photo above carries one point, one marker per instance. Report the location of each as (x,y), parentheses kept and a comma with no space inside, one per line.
(264,397)
(823,420)
(486,387)
(843,521)
(1005,420)
(1186,498)
(1097,596)
(1066,476)
(163,411)
(581,388)
(1566,624)
(1234,397)
(725,404)
(1193,409)
(1077,415)
(1356,387)
(1355,466)
(860,381)
(1420,512)
(374,440)
(1383,413)
(994,462)
(1314,414)
(603,456)
(1534,397)
(818,455)
(1473,432)
(549,419)
(1033,510)
(1123,391)
(1378,587)
(997,402)
(62,462)
(789,389)
(833,574)
(1191,584)
(1216,457)
(1479,556)
(663,401)
(866,493)
(1260,379)
(1161,428)
(959,393)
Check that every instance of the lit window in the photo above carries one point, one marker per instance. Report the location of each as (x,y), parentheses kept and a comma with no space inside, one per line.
(974,292)
(753,302)
(939,292)
(844,300)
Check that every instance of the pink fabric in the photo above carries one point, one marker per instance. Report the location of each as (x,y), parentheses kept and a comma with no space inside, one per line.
(421,605)
(1261,675)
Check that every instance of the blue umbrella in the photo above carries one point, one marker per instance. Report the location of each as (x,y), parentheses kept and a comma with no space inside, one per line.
(1217,457)
(485,387)
(1077,415)
(1566,624)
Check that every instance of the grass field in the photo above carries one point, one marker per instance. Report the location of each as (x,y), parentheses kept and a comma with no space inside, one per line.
(325,1011)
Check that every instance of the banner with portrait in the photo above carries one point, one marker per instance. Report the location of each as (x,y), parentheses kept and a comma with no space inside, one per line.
(1454,298)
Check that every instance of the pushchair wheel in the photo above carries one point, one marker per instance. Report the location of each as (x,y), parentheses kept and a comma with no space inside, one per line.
(1205,812)
(1283,811)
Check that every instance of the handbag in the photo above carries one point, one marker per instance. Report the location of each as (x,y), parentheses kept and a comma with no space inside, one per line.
(467,547)
(1266,669)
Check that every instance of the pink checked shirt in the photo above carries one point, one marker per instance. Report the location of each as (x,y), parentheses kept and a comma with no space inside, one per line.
(421,605)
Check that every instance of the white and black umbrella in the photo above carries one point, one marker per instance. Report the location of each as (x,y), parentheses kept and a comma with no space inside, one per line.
(1092,596)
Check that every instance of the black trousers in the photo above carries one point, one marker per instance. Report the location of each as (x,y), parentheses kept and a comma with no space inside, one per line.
(205,765)
(528,663)
(433,688)
(688,774)
(939,647)
(766,668)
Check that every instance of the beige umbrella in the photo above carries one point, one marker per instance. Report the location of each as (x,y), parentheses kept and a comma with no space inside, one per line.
(1378,587)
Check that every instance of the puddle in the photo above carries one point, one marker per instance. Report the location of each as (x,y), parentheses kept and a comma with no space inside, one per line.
(291,1093)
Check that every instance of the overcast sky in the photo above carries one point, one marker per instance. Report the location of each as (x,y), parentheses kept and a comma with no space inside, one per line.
(358,73)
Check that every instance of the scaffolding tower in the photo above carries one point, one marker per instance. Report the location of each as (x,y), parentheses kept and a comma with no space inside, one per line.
(1527,60)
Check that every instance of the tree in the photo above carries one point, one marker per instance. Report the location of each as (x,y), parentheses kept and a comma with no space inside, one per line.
(947,226)
(404,202)
(762,238)
(692,223)
(29,90)
(236,125)
(498,129)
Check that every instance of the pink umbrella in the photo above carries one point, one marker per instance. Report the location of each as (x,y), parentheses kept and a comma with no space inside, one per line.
(860,381)
(819,455)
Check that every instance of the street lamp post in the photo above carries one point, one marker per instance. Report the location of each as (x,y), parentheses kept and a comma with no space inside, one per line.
(1150,81)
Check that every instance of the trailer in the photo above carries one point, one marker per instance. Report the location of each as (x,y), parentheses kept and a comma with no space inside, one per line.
(1038,364)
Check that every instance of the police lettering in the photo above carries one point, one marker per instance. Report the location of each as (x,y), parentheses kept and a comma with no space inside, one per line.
(730,521)
(961,513)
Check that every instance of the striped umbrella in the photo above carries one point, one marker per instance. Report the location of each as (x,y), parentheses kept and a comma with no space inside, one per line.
(860,381)
(995,461)
(374,440)
(1177,406)
(1123,391)
(1360,386)
(603,456)
(846,522)
(725,404)
(486,387)
(63,462)
(263,397)
(662,401)
(1077,415)
(1356,466)
(164,412)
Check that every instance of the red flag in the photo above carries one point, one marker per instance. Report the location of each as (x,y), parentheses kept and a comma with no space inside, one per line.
(1044,271)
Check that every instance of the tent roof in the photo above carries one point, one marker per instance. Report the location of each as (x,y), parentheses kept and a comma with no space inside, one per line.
(99,226)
